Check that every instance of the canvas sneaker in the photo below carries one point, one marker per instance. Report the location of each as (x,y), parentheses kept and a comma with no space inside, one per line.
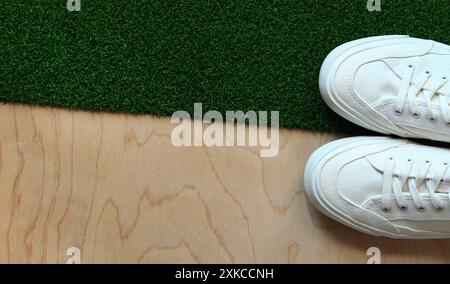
(382,186)
(391,84)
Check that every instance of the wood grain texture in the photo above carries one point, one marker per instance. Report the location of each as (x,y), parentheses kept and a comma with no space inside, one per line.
(113,186)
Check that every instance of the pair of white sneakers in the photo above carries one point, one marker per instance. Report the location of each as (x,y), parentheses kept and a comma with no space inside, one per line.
(382,186)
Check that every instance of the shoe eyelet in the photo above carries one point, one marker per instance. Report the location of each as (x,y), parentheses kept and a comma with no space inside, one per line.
(445,77)
(409,160)
(440,208)
(391,158)
(445,164)
(397,112)
(421,209)
(433,119)
(416,115)
(427,161)
(385,209)
(404,208)
(410,66)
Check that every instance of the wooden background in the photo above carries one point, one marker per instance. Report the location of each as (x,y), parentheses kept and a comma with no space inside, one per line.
(113,186)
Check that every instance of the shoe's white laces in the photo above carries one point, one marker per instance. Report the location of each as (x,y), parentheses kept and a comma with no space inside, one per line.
(410,96)
(398,178)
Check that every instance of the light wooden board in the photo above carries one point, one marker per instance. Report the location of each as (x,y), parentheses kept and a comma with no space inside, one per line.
(113,186)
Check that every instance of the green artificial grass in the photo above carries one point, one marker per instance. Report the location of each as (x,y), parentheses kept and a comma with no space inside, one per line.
(160,56)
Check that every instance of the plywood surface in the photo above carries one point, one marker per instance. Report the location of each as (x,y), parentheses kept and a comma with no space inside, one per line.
(114,187)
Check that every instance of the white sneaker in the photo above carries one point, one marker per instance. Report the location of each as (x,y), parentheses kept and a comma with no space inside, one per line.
(382,186)
(391,84)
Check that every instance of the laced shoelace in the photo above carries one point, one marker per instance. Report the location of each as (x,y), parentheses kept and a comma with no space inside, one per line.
(394,182)
(406,95)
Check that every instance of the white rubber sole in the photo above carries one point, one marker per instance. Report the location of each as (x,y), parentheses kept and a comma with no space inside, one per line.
(328,74)
(314,193)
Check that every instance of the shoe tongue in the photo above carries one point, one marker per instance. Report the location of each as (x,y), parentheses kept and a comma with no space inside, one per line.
(432,64)
(401,157)
(419,159)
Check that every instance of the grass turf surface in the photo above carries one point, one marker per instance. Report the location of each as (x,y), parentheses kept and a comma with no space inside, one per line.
(160,56)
